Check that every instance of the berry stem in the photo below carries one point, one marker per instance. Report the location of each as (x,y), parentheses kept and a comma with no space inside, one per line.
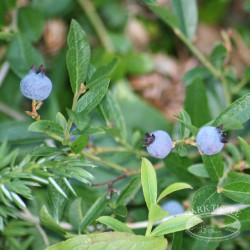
(34,107)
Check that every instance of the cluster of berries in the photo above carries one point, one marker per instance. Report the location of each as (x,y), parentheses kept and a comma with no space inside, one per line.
(210,141)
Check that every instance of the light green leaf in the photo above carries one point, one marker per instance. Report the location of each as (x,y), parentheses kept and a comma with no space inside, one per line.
(111,240)
(79,143)
(49,128)
(238,110)
(47,220)
(184,116)
(165,14)
(149,182)
(61,120)
(93,97)
(187,15)
(214,165)
(57,187)
(172,188)
(176,224)
(198,170)
(78,55)
(245,148)
(114,224)
(230,123)
(95,210)
(206,200)
(238,191)
(156,213)
(71,189)
(129,192)
(194,130)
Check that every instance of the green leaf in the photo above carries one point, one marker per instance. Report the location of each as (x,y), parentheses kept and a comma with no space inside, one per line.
(6,36)
(237,191)
(31,30)
(214,165)
(111,240)
(245,148)
(45,151)
(79,143)
(75,212)
(172,188)
(47,220)
(156,213)
(93,97)
(113,116)
(56,200)
(184,116)
(177,243)
(95,210)
(218,56)
(78,55)
(165,14)
(194,130)
(57,187)
(197,105)
(102,72)
(149,182)
(206,200)
(187,14)
(129,192)
(115,224)
(80,120)
(176,224)
(61,120)
(198,170)
(49,128)
(22,55)
(238,110)
(230,123)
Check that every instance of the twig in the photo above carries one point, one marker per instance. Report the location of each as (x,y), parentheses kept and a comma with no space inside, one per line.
(110,182)
(3,72)
(97,23)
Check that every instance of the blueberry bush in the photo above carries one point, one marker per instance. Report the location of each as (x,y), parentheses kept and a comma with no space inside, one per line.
(82,86)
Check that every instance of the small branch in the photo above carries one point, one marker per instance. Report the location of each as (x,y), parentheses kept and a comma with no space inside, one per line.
(110,182)
(4,71)
(94,18)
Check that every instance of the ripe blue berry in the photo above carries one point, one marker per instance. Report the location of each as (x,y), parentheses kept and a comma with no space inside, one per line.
(210,140)
(36,85)
(158,143)
(173,207)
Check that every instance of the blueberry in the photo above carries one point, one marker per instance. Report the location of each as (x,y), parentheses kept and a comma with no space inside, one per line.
(210,140)
(173,207)
(158,143)
(36,85)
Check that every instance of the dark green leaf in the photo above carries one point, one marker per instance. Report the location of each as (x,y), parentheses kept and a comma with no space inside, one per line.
(79,143)
(30,29)
(57,187)
(111,240)
(129,192)
(237,191)
(56,200)
(165,14)
(214,165)
(245,148)
(75,212)
(80,120)
(45,151)
(22,55)
(176,224)
(92,214)
(149,182)
(115,224)
(196,103)
(238,110)
(78,55)
(218,56)
(187,15)
(93,97)
(177,243)
(206,200)
(49,128)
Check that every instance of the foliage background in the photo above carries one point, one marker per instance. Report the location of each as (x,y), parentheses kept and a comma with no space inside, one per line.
(155,78)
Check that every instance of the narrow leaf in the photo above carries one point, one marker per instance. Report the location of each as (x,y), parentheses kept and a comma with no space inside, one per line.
(95,210)
(176,224)
(172,188)
(57,187)
(149,182)
(115,224)
(79,143)
(93,97)
(78,55)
